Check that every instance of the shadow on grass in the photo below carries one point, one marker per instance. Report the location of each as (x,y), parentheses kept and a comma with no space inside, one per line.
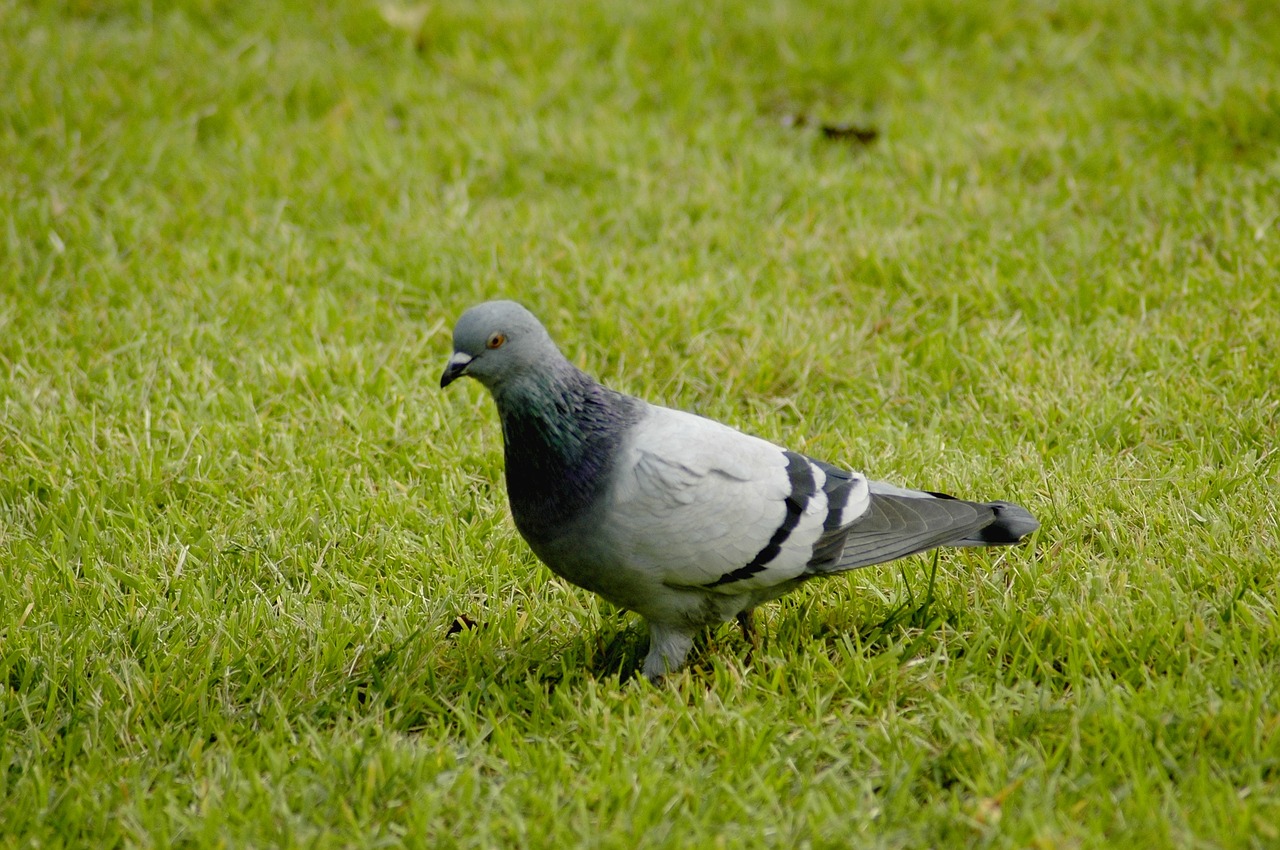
(462,673)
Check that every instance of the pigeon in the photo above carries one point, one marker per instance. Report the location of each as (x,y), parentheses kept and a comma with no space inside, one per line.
(679,518)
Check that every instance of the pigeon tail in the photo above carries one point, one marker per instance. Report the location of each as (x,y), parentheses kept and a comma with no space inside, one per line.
(1012,524)
(901,522)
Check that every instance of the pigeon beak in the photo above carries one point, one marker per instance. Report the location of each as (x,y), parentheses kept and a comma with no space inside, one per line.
(455,368)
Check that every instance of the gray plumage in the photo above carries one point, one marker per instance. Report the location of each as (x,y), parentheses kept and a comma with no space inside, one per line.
(681,519)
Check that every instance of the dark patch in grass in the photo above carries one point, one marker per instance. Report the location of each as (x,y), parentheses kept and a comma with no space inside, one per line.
(838,131)
(21,677)
(39,490)
(849,133)
(459,624)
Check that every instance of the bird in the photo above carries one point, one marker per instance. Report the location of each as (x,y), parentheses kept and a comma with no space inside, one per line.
(684,520)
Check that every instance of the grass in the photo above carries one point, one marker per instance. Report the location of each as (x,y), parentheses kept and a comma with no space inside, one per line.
(237,517)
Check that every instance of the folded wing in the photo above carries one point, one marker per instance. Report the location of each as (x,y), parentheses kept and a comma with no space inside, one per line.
(697,504)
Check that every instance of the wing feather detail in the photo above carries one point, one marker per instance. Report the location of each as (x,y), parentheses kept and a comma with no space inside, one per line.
(700,505)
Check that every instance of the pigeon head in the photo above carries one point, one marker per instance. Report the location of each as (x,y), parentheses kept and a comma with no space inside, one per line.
(497,342)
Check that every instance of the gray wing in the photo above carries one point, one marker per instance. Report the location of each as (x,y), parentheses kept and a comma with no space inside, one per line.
(696,504)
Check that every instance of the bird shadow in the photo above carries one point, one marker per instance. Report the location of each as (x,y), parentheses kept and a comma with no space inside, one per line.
(459,677)
(616,650)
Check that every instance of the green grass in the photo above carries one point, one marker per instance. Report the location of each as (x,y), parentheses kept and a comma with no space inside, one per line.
(237,516)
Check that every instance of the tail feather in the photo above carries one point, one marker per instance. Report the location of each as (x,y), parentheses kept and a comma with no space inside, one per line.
(1012,525)
(901,522)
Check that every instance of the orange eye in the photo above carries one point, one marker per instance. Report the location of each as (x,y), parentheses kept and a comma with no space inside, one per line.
(495,340)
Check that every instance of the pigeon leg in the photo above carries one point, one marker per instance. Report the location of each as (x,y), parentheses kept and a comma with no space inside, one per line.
(668,647)
(747,622)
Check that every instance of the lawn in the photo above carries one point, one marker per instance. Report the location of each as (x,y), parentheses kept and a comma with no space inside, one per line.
(258,581)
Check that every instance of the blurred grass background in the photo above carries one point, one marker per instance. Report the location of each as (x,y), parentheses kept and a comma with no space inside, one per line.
(237,518)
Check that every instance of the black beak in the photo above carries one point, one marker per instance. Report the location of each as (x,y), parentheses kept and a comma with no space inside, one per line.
(455,368)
